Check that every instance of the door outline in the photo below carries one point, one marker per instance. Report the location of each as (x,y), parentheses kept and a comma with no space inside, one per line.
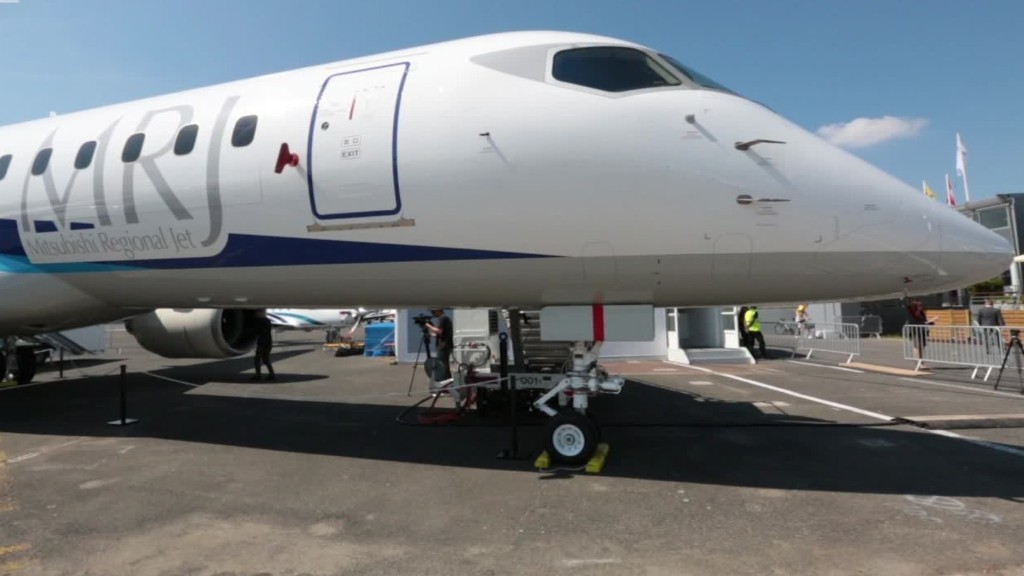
(394,148)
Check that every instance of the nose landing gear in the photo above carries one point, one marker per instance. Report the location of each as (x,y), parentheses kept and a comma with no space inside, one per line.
(572,435)
(19,362)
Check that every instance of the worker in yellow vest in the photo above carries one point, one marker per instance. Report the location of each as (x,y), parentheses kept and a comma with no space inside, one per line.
(753,324)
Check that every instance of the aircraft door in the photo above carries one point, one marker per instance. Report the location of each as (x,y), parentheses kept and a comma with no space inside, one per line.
(353,152)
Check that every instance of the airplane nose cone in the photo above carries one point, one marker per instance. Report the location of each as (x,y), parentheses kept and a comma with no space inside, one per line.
(971,253)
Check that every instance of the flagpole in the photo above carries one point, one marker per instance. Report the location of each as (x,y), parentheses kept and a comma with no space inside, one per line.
(961,165)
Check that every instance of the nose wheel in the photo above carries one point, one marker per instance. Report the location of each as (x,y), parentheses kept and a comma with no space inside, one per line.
(23,365)
(571,437)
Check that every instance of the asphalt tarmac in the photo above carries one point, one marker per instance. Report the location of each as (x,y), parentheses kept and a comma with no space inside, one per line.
(785,467)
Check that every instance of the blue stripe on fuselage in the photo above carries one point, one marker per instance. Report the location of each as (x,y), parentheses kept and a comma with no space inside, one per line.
(250,250)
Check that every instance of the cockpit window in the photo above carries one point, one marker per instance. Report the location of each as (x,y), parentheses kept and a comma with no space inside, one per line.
(694,76)
(611,68)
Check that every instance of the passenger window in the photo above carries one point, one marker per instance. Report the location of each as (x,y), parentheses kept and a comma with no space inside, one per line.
(186,140)
(611,68)
(84,157)
(42,161)
(5,163)
(133,147)
(245,131)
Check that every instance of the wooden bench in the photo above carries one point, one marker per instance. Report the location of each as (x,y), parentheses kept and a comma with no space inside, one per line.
(943,320)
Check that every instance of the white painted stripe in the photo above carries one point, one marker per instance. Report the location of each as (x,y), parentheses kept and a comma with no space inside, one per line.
(679,364)
(665,369)
(853,409)
(825,366)
(980,442)
(44,450)
(701,383)
(590,562)
(1017,396)
(976,441)
(175,380)
(23,457)
(771,404)
(630,374)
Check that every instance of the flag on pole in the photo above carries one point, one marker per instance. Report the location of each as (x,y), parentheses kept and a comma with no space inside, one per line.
(927,190)
(961,157)
(961,165)
(950,196)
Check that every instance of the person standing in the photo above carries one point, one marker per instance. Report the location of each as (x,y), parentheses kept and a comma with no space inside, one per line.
(753,324)
(744,337)
(990,316)
(802,317)
(440,327)
(264,343)
(917,319)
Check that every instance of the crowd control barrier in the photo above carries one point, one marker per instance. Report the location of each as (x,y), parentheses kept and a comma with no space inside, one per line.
(870,325)
(832,337)
(977,347)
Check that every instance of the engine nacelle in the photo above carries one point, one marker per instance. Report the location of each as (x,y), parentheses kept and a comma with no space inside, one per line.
(195,333)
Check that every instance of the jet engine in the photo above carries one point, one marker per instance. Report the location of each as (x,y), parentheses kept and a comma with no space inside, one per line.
(195,333)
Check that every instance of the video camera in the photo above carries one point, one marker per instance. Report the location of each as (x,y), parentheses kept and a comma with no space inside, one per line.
(422,320)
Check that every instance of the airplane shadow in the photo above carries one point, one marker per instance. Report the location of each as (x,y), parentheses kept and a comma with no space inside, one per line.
(655,433)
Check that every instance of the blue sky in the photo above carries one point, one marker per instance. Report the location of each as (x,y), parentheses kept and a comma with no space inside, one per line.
(914,72)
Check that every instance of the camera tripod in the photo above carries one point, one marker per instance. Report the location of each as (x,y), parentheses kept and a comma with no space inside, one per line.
(428,364)
(1013,345)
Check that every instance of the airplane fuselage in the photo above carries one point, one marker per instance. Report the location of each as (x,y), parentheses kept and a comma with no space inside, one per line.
(462,173)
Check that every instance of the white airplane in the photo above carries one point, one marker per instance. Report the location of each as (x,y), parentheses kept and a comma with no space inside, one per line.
(529,169)
(303,319)
(336,322)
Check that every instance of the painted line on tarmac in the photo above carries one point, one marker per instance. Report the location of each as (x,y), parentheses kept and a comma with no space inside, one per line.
(976,441)
(1017,396)
(44,450)
(590,562)
(825,366)
(175,380)
(846,407)
(979,442)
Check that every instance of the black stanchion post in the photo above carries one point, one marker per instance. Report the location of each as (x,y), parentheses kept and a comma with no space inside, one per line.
(514,415)
(124,394)
(508,384)
(503,359)
(124,420)
(61,362)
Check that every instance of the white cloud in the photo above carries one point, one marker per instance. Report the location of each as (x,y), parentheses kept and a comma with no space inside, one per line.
(864,132)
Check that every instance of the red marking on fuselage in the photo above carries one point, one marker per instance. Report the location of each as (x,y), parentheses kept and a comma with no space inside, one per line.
(598,310)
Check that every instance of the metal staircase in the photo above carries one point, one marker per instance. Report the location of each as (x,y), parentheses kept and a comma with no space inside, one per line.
(538,355)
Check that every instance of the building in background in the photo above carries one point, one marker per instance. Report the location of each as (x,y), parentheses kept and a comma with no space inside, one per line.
(1003,214)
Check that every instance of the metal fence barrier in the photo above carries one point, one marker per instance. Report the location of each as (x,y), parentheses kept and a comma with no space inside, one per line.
(834,337)
(869,324)
(977,347)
